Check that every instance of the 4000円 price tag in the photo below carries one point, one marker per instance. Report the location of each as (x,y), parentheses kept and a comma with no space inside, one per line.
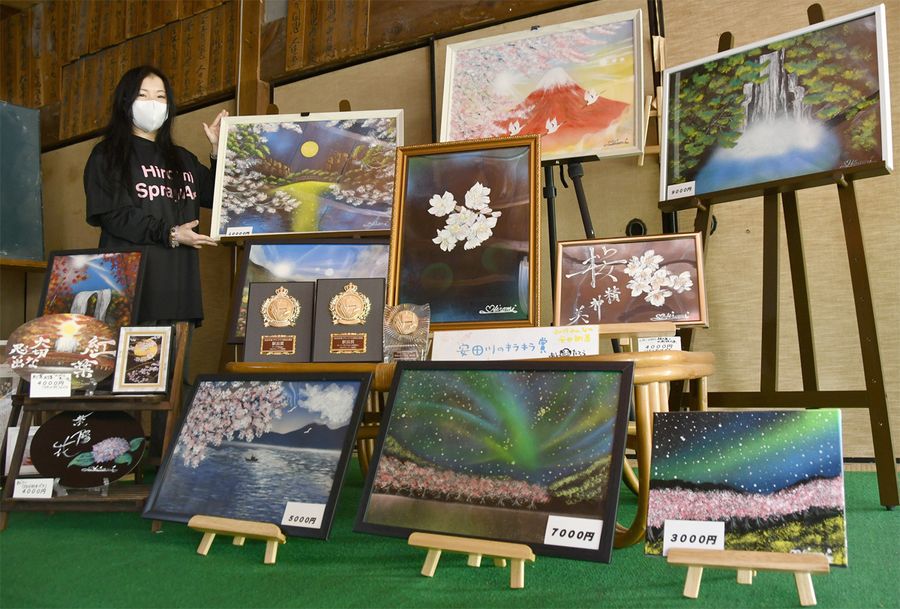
(573,532)
(709,535)
(306,515)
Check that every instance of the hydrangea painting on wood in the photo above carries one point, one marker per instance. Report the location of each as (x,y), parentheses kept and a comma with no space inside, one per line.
(775,478)
(262,449)
(499,452)
(577,85)
(795,108)
(306,174)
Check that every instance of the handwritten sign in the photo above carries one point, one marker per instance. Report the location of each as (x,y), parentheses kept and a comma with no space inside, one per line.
(573,532)
(515,343)
(238,231)
(659,343)
(676,191)
(50,385)
(33,488)
(693,534)
(306,515)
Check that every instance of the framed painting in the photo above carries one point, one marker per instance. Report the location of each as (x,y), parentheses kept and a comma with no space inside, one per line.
(27,468)
(502,451)
(303,260)
(142,361)
(579,85)
(466,236)
(787,112)
(105,284)
(771,481)
(268,448)
(9,384)
(630,280)
(319,173)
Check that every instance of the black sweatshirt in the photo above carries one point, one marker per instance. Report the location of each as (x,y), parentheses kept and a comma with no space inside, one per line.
(142,214)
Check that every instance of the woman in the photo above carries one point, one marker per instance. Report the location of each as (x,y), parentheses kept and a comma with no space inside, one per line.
(144,191)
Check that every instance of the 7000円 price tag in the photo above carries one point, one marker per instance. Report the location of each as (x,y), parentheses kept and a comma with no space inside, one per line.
(306,515)
(573,532)
(693,534)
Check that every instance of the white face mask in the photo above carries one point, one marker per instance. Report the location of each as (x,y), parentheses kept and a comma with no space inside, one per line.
(149,115)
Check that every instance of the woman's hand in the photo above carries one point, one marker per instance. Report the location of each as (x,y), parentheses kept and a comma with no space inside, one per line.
(212,132)
(184,235)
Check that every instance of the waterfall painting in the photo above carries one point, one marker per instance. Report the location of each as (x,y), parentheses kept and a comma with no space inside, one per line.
(466,236)
(792,110)
(630,280)
(579,85)
(104,284)
(303,260)
(520,452)
(775,478)
(263,447)
(318,173)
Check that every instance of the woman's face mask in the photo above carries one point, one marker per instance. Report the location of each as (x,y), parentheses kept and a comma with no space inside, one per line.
(149,115)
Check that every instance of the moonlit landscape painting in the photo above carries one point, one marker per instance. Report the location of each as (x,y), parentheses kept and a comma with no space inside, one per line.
(576,84)
(775,478)
(488,452)
(248,447)
(805,103)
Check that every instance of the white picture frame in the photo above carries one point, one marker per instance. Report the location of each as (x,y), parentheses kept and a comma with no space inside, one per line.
(26,469)
(142,359)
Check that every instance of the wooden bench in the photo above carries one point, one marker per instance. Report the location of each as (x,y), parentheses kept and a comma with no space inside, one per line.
(517,553)
(747,564)
(241,530)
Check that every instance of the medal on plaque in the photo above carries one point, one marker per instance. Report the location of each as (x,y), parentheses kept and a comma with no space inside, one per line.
(280,310)
(349,308)
(406,332)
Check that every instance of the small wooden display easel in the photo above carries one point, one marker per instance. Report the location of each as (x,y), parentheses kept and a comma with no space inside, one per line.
(517,553)
(241,530)
(747,564)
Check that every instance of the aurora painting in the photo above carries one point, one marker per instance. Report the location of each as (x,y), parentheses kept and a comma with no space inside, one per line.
(502,452)
(775,478)
(306,174)
(792,108)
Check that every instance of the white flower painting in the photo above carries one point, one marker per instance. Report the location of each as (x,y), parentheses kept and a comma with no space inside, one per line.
(472,224)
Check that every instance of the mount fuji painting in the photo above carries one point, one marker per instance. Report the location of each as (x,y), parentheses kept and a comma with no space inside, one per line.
(575,84)
(810,102)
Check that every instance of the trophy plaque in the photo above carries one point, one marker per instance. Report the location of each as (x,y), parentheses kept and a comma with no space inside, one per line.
(279,321)
(406,332)
(348,320)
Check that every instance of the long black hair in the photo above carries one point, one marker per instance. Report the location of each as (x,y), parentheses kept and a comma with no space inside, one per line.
(117,138)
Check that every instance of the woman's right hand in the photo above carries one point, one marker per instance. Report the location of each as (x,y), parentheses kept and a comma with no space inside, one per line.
(185,235)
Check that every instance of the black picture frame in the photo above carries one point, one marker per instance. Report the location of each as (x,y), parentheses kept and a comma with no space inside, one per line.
(408,371)
(155,511)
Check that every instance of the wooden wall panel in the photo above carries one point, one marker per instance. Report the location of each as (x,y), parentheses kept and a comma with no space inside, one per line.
(337,29)
(295,35)
(218,19)
(48,52)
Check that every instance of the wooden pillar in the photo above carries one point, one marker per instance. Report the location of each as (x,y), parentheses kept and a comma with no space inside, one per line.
(252,93)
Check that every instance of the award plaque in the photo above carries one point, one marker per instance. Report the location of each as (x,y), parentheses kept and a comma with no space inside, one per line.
(406,332)
(348,320)
(279,321)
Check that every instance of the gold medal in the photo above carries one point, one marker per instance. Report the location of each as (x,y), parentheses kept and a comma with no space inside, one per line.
(350,307)
(280,310)
(404,321)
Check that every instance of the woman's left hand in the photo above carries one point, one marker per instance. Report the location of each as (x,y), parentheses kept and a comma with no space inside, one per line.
(212,131)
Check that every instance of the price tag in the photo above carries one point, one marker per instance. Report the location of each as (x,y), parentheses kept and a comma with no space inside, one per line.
(693,534)
(306,515)
(573,532)
(238,231)
(659,343)
(33,488)
(50,385)
(677,191)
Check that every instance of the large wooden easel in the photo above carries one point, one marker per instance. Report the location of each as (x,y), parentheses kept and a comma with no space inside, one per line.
(873,397)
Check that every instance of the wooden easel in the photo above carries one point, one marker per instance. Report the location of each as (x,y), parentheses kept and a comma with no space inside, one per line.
(516,553)
(873,397)
(241,530)
(747,564)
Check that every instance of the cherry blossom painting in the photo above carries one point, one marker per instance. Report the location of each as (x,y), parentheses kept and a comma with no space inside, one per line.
(792,110)
(630,280)
(286,174)
(267,448)
(465,237)
(775,478)
(104,284)
(502,451)
(578,85)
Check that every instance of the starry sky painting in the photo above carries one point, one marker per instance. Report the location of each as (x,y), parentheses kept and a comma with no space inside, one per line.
(492,452)
(762,472)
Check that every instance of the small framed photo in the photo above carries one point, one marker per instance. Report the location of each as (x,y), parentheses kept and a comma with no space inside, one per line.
(631,280)
(466,236)
(142,361)
(27,468)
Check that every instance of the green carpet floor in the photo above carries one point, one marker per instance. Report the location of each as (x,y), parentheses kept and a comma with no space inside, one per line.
(113,560)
